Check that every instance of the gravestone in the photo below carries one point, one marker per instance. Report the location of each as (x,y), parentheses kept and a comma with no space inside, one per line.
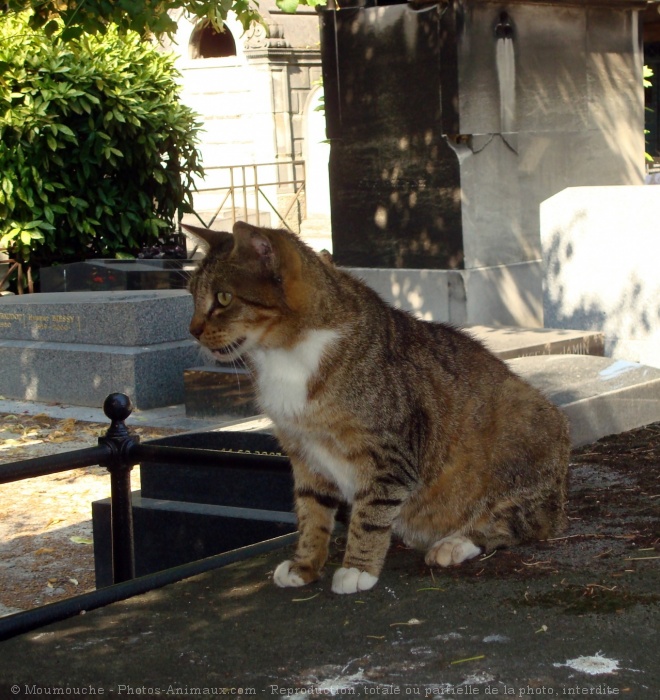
(599,395)
(77,347)
(116,275)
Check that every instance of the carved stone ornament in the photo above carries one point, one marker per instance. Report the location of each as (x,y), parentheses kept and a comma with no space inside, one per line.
(260,38)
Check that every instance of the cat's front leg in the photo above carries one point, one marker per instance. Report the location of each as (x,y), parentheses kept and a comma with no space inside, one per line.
(316,502)
(369,536)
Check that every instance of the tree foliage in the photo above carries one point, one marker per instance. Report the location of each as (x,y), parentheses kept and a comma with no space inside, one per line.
(97,154)
(146,17)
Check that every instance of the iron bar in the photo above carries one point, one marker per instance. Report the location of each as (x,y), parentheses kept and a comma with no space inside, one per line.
(295,199)
(119,451)
(118,407)
(22,622)
(218,210)
(244,188)
(53,464)
(233,195)
(121,523)
(256,193)
(270,204)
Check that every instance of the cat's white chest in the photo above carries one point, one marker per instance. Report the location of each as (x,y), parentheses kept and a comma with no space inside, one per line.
(283,375)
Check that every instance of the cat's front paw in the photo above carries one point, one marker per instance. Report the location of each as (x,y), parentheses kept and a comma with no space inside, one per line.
(452,550)
(284,577)
(352,580)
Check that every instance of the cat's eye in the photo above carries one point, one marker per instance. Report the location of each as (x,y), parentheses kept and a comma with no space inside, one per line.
(224,298)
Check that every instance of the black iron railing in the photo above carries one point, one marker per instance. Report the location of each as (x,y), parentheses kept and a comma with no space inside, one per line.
(119,451)
(244,188)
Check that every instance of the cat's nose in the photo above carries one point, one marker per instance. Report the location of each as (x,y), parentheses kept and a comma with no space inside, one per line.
(196,328)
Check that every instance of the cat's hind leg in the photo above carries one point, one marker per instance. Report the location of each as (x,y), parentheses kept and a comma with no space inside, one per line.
(450,550)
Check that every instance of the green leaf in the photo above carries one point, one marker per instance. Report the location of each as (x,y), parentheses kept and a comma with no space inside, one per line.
(33,224)
(71,33)
(67,131)
(76,539)
(289,6)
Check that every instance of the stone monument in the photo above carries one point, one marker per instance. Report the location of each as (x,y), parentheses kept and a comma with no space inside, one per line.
(450,123)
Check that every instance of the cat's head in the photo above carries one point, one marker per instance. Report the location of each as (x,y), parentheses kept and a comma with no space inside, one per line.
(253,289)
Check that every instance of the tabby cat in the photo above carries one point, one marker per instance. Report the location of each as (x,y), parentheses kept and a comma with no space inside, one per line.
(418,427)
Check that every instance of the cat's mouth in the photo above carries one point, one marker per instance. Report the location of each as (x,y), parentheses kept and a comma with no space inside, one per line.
(231,351)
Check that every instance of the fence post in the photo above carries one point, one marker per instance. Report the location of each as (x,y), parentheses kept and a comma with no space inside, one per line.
(118,407)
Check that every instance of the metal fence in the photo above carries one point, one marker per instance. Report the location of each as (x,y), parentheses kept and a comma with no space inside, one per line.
(253,192)
(119,451)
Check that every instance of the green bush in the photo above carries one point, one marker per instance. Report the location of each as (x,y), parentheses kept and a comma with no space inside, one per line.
(97,154)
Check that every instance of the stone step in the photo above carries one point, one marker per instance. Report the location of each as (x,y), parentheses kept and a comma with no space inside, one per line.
(600,396)
(508,342)
(227,391)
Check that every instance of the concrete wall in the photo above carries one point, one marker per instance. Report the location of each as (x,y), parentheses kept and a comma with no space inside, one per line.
(601,253)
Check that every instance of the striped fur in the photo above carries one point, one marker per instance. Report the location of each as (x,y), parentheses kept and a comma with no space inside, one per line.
(416,425)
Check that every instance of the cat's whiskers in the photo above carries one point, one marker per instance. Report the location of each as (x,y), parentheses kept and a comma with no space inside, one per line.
(185,275)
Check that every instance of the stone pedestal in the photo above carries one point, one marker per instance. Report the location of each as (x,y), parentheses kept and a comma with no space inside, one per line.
(78,347)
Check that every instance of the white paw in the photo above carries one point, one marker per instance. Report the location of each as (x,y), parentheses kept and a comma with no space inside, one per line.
(452,550)
(285,578)
(352,581)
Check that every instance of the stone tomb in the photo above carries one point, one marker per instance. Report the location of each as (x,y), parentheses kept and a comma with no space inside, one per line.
(77,347)
(600,253)
(444,175)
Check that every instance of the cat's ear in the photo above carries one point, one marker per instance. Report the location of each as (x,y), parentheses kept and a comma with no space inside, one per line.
(254,240)
(326,257)
(216,240)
